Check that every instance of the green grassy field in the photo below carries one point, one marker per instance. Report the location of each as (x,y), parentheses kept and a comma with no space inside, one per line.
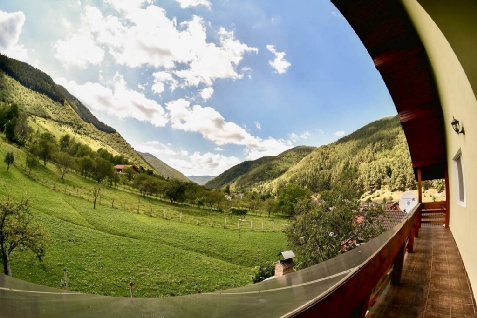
(104,248)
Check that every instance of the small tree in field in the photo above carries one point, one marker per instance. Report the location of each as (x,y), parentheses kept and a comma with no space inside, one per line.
(9,159)
(31,162)
(17,229)
(63,162)
(97,188)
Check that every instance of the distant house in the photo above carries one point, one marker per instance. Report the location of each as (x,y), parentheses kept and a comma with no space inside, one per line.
(119,168)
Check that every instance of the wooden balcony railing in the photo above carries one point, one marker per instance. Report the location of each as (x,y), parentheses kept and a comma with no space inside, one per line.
(339,287)
(434,214)
(353,296)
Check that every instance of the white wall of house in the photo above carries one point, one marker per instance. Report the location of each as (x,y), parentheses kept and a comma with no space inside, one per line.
(448,31)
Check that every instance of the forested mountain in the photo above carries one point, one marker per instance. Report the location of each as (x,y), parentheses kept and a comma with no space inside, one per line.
(163,168)
(50,107)
(40,82)
(376,155)
(250,174)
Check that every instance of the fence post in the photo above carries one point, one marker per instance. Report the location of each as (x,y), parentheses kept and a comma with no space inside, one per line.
(131,293)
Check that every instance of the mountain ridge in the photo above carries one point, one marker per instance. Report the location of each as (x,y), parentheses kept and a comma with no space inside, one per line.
(50,107)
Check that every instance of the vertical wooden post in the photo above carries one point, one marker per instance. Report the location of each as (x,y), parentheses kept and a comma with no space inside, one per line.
(419,184)
(361,310)
(417,222)
(446,179)
(398,265)
(131,293)
(419,187)
(410,244)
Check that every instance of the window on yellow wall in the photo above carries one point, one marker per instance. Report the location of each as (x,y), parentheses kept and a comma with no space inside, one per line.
(459,173)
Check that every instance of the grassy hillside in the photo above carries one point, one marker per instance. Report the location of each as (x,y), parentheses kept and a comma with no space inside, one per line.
(51,107)
(164,249)
(250,174)
(165,170)
(40,82)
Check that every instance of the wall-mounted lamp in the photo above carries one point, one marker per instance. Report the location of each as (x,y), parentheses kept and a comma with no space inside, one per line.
(456,126)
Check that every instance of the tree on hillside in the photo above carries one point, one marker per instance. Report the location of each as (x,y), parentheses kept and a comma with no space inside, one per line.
(65,142)
(269,205)
(175,191)
(64,162)
(31,162)
(102,169)
(9,159)
(97,188)
(44,147)
(289,195)
(85,166)
(214,197)
(17,229)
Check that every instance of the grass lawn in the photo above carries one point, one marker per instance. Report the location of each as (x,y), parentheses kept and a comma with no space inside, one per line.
(104,248)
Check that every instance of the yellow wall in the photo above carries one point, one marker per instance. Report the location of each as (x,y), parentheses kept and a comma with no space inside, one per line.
(455,68)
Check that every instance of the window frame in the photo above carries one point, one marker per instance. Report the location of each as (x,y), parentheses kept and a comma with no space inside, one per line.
(458,162)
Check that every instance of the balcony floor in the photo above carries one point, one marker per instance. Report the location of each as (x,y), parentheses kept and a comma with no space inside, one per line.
(434,282)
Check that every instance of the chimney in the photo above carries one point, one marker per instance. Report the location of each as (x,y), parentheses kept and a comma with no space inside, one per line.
(284,266)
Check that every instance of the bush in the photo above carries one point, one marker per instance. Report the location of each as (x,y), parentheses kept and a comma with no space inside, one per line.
(262,272)
(238,211)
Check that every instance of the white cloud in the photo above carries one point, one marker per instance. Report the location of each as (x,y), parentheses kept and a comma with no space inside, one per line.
(127,6)
(206,93)
(184,152)
(78,51)
(279,64)
(119,101)
(340,133)
(209,123)
(194,3)
(160,79)
(212,126)
(293,137)
(219,149)
(337,14)
(156,148)
(210,164)
(146,36)
(257,124)
(305,135)
(11,25)
(268,147)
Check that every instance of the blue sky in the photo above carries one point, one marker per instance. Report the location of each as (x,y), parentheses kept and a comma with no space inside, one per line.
(204,84)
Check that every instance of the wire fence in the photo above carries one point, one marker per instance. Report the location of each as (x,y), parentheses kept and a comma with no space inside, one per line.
(209,218)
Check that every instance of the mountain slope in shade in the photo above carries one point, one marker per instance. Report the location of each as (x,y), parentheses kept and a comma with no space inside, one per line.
(200,179)
(163,168)
(250,174)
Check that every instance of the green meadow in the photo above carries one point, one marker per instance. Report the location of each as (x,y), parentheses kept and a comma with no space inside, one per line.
(164,249)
